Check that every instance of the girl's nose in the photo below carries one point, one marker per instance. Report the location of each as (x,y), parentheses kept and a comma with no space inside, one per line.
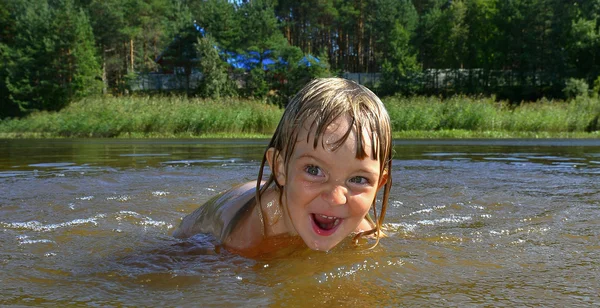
(335,195)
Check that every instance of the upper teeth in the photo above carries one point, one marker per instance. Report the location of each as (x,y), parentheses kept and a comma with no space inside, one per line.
(327,217)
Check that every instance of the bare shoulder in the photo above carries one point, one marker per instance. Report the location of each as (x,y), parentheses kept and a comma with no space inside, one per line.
(218,213)
(249,231)
(238,191)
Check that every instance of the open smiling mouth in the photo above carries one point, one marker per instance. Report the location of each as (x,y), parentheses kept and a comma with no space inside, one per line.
(325,225)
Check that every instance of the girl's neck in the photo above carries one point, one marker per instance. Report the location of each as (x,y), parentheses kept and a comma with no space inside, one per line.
(273,213)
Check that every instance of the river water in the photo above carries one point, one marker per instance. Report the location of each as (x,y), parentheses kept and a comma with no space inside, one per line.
(471,223)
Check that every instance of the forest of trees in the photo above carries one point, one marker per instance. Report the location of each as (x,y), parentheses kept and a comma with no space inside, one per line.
(55,51)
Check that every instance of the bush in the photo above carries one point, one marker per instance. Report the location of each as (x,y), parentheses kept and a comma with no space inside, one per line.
(596,89)
(575,87)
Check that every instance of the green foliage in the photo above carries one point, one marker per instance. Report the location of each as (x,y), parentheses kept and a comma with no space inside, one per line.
(288,80)
(253,26)
(7,31)
(575,87)
(215,80)
(261,33)
(259,30)
(584,40)
(596,88)
(56,51)
(256,84)
(85,67)
(300,73)
(220,20)
(51,59)
(399,68)
(131,34)
(396,25)
(482,32)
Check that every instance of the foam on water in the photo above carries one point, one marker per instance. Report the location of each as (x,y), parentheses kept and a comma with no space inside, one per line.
(444,220)
(40,227)
(131,216)
(25,240)
(141,219)
(160,193)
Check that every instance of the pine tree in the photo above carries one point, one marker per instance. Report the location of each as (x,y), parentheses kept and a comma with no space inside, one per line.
(7,34)
(51,60)
(215,80)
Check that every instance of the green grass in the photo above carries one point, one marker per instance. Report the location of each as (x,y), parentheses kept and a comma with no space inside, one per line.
(414,117)
(484,115)
(466,134)
(149,117)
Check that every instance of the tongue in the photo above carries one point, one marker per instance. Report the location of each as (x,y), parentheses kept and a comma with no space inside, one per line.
(324,222)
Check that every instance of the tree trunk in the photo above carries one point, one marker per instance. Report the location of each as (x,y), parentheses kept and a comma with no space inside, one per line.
(131,56)
(359,62)
(104,79)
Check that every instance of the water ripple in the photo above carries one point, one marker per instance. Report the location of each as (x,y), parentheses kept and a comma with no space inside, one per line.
(39,227)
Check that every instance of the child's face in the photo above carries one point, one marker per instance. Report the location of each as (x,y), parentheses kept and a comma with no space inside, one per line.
(327,192)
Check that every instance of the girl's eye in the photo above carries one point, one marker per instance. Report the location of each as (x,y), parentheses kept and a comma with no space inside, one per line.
(359,180)
(312,170)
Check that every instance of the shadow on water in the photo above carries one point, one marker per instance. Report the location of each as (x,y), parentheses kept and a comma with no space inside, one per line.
(470,222)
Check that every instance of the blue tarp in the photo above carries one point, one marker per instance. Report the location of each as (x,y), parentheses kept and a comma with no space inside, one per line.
(252,59)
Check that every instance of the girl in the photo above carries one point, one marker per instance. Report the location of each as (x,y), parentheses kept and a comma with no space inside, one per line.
(329,156)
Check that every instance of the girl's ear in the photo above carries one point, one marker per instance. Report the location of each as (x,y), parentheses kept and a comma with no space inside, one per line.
(275,162)
(383,179)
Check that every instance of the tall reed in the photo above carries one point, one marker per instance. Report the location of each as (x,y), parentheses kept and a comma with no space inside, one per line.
(180,116)
(485,114)
(168,115)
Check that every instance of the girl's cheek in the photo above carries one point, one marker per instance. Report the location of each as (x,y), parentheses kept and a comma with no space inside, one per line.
(308,181)
(309,186)
(304,182)
(362,204)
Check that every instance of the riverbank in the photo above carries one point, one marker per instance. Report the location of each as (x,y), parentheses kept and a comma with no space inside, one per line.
(415,117)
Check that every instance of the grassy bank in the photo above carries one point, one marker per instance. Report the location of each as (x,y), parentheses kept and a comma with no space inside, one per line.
(149,117)
(485,116)
(416,117)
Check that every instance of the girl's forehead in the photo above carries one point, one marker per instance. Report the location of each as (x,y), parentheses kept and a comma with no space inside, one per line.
(330,137)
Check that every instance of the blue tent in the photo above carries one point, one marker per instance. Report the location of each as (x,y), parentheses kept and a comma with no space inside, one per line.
(308,60)
(253,59)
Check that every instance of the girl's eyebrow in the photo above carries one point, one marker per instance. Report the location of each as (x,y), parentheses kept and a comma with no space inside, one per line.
(371,172)
(310,156)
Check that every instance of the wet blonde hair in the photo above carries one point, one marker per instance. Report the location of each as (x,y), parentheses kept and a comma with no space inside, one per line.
(320,103)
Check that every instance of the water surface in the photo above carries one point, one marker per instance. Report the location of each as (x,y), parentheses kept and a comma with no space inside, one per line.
(471,223)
